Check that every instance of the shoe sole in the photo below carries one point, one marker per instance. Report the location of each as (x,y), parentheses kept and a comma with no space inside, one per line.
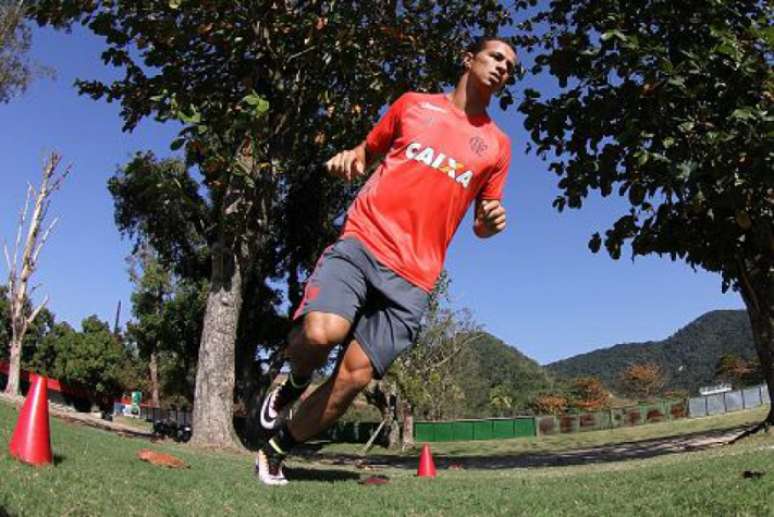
(268,480)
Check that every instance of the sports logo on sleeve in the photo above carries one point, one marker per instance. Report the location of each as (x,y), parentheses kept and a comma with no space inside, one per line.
(440,162)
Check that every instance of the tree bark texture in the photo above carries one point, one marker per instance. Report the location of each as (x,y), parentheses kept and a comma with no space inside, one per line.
(213,415)
(408,424)
(153,369)
(757,288)
(243,232)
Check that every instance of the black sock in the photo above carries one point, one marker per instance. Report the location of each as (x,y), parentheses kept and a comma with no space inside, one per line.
(294,387)
(297,382)
(281,443)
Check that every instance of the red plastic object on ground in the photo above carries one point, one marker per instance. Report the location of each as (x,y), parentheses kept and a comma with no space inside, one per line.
(426,464)
(31,440)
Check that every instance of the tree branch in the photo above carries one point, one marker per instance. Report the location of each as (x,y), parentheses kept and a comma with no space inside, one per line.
(37,311)
(43,240)
(747,289)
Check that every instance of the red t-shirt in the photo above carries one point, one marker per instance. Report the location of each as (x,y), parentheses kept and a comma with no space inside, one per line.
(437,160)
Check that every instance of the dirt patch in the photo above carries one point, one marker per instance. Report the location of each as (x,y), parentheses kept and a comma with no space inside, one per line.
(600,454)
(72,416)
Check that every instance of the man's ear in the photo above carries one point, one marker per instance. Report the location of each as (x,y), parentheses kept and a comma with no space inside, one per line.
(467,60)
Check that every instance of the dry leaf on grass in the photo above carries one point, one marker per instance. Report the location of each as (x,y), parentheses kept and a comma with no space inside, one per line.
(161,459)
(374,480)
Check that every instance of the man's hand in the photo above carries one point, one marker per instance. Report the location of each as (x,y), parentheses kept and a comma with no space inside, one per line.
(348,164)
(490,218)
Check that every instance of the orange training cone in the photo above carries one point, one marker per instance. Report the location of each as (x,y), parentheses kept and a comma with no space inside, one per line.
(426,465)
(31,441)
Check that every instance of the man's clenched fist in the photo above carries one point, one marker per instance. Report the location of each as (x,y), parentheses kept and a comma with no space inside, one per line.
(346,164)
(490,217)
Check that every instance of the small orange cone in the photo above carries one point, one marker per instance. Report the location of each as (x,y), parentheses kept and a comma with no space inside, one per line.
(426,465)
(31,441)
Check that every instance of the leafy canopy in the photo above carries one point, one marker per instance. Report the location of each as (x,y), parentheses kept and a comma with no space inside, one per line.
(667,104)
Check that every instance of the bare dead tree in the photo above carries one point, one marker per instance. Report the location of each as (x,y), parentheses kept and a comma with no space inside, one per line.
(20,271)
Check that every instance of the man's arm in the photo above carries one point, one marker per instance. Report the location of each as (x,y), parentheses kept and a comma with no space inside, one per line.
(490,218)
(349,164)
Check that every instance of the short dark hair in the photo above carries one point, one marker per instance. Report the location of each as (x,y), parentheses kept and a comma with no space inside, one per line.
(478,44)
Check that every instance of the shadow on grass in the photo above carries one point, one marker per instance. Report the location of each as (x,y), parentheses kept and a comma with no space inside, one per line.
(329,476)
(608,453)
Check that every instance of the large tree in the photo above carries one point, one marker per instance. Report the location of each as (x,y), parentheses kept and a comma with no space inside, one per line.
(16,69)
(153,287)
(21,268)
(667,104)
(265,91)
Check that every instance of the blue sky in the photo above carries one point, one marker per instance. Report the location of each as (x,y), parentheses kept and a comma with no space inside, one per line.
(536,287)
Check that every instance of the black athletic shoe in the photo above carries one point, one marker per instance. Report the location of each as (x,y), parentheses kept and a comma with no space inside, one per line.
(276,405)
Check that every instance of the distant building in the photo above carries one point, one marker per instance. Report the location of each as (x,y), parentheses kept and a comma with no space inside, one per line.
(713,390)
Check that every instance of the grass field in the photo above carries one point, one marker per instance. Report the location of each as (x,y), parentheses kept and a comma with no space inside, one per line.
(97,473)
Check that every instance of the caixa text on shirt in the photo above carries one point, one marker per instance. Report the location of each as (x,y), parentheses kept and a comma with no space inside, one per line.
(440,162)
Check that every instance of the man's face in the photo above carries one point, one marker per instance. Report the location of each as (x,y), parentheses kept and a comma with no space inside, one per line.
(491,66)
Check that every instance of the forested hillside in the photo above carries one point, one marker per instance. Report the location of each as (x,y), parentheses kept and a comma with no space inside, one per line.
(688,358)
(502,371)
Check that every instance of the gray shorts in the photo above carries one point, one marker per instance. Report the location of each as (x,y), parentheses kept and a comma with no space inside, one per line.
(384,308)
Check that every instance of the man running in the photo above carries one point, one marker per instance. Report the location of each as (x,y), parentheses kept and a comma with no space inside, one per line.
(369,289)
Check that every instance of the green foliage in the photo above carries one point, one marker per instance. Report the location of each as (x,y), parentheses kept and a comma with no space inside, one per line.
(35,333)
(168,314)
(738,371)
(16,69)
(503,368)
(299,80)
(457,370)
(429,376)
(158,205)
(669,106)
(92,358)
(688,358)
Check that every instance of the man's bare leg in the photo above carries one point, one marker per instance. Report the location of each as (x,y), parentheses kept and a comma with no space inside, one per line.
(330,400)
(309,346)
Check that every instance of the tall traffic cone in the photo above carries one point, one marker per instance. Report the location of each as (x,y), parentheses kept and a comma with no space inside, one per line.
(426,465)
(31,441)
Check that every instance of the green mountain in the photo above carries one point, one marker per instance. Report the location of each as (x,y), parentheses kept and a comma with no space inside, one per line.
(688,357)
(498,364)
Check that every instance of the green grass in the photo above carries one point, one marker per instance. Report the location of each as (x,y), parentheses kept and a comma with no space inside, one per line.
(97,473)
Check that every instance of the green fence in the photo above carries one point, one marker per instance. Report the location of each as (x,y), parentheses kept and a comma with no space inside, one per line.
(521,427)
(466,430)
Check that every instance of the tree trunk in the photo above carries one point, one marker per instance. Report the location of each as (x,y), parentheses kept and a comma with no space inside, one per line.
(213,415)
(408,424)
(14,368)
(393,430)
(757,288)
(244,221)
(763,335)
(153,367)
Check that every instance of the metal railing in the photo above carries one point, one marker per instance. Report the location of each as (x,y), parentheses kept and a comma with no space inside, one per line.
(729,401)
